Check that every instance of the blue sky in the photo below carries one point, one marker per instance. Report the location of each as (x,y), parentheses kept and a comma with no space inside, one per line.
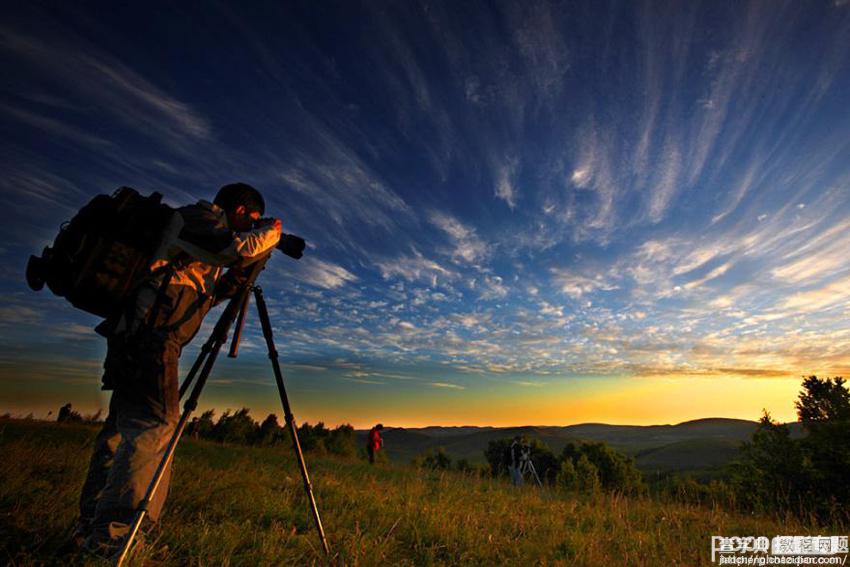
(517,212)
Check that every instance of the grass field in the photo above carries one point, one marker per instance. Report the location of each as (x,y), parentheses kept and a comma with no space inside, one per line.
(234,505)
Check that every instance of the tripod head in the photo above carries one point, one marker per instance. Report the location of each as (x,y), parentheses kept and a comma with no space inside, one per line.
(291,245)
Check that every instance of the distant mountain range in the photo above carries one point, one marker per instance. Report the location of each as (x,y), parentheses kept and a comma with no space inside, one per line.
(698,445)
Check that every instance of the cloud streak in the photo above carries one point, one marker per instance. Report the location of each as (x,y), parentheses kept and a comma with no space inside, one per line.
(102,81)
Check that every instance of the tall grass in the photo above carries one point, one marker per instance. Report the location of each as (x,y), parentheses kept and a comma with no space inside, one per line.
(235,505)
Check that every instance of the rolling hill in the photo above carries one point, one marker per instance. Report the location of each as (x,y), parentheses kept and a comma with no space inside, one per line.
(688,446)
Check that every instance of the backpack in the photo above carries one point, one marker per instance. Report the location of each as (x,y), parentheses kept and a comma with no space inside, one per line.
(104,252)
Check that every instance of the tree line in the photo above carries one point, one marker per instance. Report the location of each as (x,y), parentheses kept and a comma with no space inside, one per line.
(240,428)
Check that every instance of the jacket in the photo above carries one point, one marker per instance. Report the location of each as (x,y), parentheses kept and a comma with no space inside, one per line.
(375,441)
(197,245)
(201,243)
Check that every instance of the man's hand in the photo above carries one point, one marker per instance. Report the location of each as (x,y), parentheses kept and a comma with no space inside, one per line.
(272,222)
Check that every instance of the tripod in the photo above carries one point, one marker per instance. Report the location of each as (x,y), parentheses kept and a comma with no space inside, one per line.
(526,466)
(235,310)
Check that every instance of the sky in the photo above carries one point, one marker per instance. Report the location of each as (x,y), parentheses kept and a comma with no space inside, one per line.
(516,212)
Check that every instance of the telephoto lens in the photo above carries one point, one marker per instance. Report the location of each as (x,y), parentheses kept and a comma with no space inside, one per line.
(291,245)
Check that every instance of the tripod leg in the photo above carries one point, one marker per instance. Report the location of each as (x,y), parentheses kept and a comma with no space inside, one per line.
(287,411)
(240,324)
(218,338)
(202,356)
(534,472)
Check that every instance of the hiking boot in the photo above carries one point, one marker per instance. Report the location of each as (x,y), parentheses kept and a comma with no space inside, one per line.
(110,548)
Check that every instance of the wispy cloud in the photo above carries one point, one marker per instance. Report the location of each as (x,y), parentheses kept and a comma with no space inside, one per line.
(37,189)
(446,385)
(593,171)
(666,183)
(529,384)
(834,294)
(347,194)
(492,287)
(743,185)
(506,189)
(324,274)
(467,246)
(56,128)
(542,46)
(414,267)
(713,274)
(575,285)
(13,315)
(824,253)
(359,380)
(95,76)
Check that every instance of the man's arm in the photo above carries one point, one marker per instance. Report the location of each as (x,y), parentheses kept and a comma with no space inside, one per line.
(206,236)
(250,245)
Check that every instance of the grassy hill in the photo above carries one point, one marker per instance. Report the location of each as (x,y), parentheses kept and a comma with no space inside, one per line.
(234,505)
(692,455)
(688,446)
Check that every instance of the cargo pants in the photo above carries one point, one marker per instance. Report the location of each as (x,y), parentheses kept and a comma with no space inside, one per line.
(142,369)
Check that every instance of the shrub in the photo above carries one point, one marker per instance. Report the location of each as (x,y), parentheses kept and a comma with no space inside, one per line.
(567,475)
(614,470)
(587,475)
(434,461)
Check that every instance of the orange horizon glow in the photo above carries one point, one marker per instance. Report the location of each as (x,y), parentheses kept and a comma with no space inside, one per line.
(620,401)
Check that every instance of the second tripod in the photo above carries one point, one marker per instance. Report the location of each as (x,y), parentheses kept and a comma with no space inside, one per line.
(526,467)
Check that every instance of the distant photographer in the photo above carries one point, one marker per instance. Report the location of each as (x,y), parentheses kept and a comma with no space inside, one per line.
(517,454)
(144,344)
(375,442)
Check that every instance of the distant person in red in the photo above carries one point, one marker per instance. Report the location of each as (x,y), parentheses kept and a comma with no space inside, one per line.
(375,442)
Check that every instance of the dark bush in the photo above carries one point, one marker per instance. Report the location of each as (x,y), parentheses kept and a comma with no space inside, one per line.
(805,476)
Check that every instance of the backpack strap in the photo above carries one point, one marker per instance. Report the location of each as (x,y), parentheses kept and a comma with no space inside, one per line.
(169,270)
